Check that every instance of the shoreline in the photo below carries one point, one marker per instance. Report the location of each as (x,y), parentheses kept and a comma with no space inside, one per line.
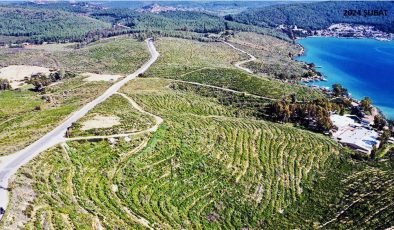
(322,77)
(342,37)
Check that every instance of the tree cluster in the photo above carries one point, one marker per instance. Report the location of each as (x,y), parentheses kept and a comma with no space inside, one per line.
(314,115)
(40,80)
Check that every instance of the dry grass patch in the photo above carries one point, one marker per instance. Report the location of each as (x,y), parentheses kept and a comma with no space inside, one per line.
(16,74)
(100,122)
(100,77)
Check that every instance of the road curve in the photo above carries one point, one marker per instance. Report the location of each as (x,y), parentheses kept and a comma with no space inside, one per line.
(10,164)
(238,64)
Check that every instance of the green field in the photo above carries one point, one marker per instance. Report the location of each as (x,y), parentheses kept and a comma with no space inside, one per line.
(26,115)
(119,55)
(208,166)
(212,64)
(180,56)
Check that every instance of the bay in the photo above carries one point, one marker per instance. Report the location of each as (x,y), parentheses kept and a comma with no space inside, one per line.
(364,66)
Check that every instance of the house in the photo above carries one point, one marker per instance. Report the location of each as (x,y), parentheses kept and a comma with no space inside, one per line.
(354,135)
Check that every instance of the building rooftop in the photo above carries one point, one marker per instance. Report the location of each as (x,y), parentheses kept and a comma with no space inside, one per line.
(354,134)
(342,121)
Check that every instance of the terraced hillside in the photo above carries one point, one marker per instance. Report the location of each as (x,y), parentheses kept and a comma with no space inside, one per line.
(180,56)
(98,121)
(208,166)
(274,56)
(368,200)
(212,63)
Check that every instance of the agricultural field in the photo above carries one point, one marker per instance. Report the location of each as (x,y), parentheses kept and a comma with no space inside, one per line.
(207,166)
(371,206)
(119,55)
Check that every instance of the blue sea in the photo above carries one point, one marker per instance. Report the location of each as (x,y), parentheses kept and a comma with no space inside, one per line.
(364,66)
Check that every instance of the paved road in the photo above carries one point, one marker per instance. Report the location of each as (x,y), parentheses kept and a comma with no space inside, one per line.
(238,64)
(10,164)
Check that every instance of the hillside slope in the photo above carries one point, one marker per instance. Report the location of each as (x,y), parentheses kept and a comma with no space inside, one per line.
(318,15)
(46,25)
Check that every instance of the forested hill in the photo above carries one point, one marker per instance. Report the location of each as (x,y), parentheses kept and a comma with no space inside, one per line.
(46,25)
(176,22)
(318,15)
(57,22)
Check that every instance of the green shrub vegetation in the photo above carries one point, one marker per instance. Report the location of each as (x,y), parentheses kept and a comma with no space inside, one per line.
(25,116)
(275,57)
(240,81)
(180,56)
(130,119)
(206,167)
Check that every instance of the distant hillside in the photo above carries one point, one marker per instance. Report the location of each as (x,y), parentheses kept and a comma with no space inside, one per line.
(46,25)
(177,22)
(317,15)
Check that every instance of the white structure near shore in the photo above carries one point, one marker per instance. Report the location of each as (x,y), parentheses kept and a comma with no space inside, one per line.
(360,137)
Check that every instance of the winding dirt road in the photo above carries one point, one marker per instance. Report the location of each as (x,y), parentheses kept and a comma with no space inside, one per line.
(10,164)
(238,64)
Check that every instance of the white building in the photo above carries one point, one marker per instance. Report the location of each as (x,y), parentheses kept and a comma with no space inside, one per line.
(352,134)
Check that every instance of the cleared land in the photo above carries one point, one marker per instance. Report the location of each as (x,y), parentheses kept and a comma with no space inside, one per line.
(119,55)
(114,116)
(208,166)
(213,64)
(17,73)
(25,115)
(273,55)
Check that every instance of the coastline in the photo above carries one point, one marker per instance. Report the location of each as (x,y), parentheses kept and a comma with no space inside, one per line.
(322,78)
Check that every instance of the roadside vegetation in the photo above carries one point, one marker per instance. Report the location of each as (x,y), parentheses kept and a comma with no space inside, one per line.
(25,115)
